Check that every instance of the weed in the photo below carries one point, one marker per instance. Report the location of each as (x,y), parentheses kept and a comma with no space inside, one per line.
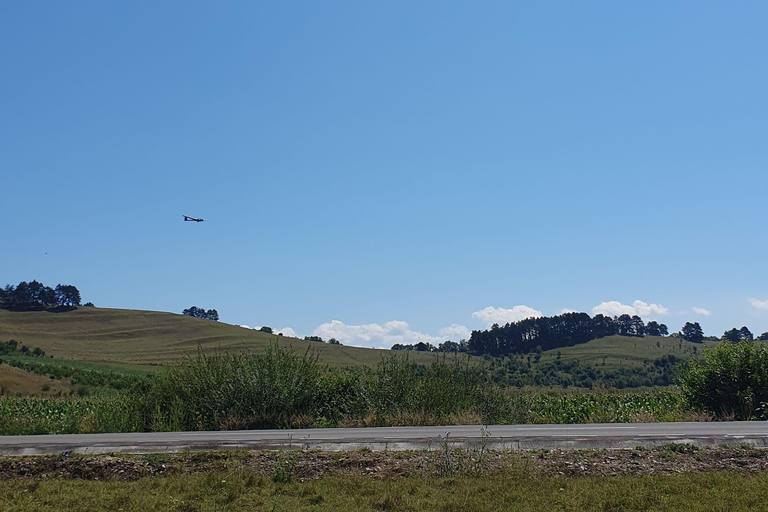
(677,448)
(285,467)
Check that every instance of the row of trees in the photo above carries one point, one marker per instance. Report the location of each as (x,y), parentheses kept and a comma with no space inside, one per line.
(736,335)
(197,312)
(33,296)
(693,332)
(446,346)
(318,339)
(558,331)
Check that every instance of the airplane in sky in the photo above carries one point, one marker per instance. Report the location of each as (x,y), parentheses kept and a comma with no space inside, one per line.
(187,218)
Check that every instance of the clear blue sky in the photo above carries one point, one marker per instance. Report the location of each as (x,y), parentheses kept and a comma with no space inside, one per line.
(387,163)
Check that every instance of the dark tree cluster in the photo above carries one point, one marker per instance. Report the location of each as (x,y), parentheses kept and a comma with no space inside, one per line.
(318,339)
(12,347)
(446,346)
(35,296)
(197,312)
(737,335)
(546,333)
(692,332)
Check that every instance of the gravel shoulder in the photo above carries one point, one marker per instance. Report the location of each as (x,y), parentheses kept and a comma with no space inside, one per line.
(310,465)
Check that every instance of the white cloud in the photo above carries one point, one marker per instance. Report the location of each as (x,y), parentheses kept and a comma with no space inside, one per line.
(566,310)
(639,308)
(501,316)
(384,336)
(244,326)
(396,327)
(701,311)
(455,332)
(287,331)
(762,305)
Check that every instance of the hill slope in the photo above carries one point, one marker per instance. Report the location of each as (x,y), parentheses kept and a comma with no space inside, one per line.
(152,337)
(618,351)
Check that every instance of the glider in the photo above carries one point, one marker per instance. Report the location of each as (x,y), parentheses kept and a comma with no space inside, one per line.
(187,218)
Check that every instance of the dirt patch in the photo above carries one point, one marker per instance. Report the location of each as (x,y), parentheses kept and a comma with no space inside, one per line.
(314,465)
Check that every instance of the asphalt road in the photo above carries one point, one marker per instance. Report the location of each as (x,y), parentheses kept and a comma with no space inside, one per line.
(517,437)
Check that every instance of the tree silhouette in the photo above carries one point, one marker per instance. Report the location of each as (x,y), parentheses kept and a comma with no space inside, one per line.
(692,332)
(197,312)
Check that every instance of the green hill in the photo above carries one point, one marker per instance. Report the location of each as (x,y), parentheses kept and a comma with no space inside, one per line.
(618,351)
(152,337)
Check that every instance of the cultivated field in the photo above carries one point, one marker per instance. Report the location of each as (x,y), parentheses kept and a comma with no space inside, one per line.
(152,337)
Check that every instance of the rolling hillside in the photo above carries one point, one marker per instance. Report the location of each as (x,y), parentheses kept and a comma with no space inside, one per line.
(617,351)
(151,337)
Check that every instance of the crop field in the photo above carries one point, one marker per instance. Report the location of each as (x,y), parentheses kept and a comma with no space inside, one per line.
(281,389)
(121,370)
(157,338)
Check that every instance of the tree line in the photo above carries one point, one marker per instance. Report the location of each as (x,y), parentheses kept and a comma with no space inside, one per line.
(197,312)
(568,329)
(744,334)
(35,296)
(446,346)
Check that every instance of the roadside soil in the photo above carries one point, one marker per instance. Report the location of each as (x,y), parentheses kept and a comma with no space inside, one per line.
(671,459)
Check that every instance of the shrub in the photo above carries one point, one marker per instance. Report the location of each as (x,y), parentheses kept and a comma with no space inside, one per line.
(209,392)
(731,380)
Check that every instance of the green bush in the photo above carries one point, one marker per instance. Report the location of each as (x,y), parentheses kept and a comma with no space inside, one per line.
(731,381)
(234,391)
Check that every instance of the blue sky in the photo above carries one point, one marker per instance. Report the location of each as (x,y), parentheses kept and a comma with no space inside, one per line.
(386,172)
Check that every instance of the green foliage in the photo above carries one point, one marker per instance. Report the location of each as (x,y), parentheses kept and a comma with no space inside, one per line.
(234,391)
(197,312)
(557,331)
(12,347)
(513,371)
(281,389)
(602,406)
(692,332)
(35,295)
(28,415)
(285,467)
(732,380)
(77,376)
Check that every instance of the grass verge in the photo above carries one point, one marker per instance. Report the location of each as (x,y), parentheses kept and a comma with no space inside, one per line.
(242,490)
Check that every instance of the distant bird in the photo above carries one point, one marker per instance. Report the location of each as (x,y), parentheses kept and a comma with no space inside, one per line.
(187,218)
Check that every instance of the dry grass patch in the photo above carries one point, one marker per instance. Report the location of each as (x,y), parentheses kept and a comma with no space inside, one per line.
(15,381)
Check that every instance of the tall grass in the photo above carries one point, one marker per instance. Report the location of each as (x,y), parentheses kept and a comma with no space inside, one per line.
(282,389)
(234,391)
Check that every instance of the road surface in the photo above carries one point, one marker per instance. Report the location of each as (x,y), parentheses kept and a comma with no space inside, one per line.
(516,437)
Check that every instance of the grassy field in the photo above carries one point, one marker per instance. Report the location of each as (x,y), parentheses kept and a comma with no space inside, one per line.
(151,337)
(15,381)
(618,351)
(241,490)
